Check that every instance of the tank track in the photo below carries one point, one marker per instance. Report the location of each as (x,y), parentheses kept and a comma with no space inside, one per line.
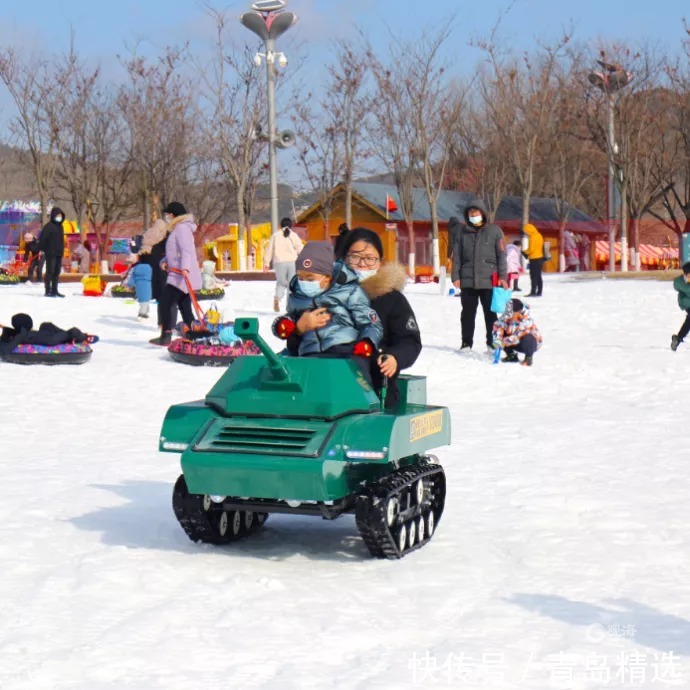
(396,516)
(204,521)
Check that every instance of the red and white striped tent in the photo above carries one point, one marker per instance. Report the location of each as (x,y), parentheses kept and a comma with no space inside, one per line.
(650,255)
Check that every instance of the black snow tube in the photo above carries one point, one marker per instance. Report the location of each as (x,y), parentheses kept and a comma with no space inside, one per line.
(214,293)
(122,291)
(68,353)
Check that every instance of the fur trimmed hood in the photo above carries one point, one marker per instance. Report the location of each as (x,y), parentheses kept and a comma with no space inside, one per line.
(180,219)
(391,276)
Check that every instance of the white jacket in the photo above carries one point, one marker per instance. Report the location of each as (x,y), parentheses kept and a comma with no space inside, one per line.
(282,249)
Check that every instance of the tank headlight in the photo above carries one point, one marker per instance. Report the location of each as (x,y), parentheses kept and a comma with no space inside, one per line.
(172,445)
(217,499)
(366,454)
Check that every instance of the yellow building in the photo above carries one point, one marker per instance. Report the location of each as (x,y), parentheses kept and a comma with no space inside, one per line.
(225,250)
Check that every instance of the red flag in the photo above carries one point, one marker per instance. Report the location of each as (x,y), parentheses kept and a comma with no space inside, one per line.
(391,206)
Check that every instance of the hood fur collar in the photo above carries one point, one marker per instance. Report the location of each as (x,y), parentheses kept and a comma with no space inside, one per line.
(391,276)
(179,219)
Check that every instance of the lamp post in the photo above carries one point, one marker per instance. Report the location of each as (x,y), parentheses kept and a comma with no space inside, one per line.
(268,21)
(610,79)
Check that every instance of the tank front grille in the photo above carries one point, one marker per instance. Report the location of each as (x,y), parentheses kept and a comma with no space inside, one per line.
(270,437)
(261,439)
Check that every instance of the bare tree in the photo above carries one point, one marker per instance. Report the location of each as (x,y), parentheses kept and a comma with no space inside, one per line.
(75,144)
(672,171)
(565,166)
(350,103)
(235,97)
(519,100)
(319,152)
(393,139)
(478,162)
(31,86)
(330,130)
(116,194)
(158,108)
(437,106)
(641,129)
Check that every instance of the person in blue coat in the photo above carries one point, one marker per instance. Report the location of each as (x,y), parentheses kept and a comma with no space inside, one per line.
(140,276)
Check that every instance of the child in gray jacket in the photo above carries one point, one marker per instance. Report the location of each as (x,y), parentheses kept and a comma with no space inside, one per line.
(354,328)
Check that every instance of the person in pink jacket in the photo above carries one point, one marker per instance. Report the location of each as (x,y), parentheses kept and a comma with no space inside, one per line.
(183,270)
(513,264)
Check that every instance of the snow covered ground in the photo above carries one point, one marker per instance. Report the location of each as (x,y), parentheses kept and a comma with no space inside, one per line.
(561,559)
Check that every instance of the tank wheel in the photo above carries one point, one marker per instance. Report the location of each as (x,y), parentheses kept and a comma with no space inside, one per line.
(419,492)
(236,522)
(391,511)
(223,524)
(398,513)
(412,533)
(202,522)
(420,528)
(430,524)
(402,538)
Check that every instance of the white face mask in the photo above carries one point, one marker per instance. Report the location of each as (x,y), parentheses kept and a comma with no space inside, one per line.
(363,275)
(475,220)
(310,288)
(58,219)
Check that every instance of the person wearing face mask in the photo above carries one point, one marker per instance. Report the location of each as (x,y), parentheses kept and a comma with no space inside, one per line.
(354,329)
(479,263)
(52,245)
(362,253)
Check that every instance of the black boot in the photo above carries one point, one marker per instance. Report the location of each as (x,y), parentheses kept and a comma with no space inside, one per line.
(527,362)
(675,342)
(511,357)
(164,339)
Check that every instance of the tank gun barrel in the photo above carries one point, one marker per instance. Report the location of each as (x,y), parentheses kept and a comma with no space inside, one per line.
(249,328)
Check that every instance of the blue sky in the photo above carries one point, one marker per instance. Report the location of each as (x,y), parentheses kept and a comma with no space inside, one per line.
(103,29)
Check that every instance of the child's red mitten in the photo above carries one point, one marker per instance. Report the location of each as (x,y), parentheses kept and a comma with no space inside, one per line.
(363,348)
(283,327)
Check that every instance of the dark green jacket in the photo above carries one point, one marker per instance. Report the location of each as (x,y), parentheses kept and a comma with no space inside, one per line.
(478,252)
(683,288)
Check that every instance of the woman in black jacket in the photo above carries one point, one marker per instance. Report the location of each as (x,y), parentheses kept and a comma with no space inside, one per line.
(362,251)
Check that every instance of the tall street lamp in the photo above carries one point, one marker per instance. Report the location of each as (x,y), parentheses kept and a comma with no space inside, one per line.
(610,79)
(268,21)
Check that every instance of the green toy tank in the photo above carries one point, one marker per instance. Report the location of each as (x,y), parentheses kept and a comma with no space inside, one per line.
(308,436)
